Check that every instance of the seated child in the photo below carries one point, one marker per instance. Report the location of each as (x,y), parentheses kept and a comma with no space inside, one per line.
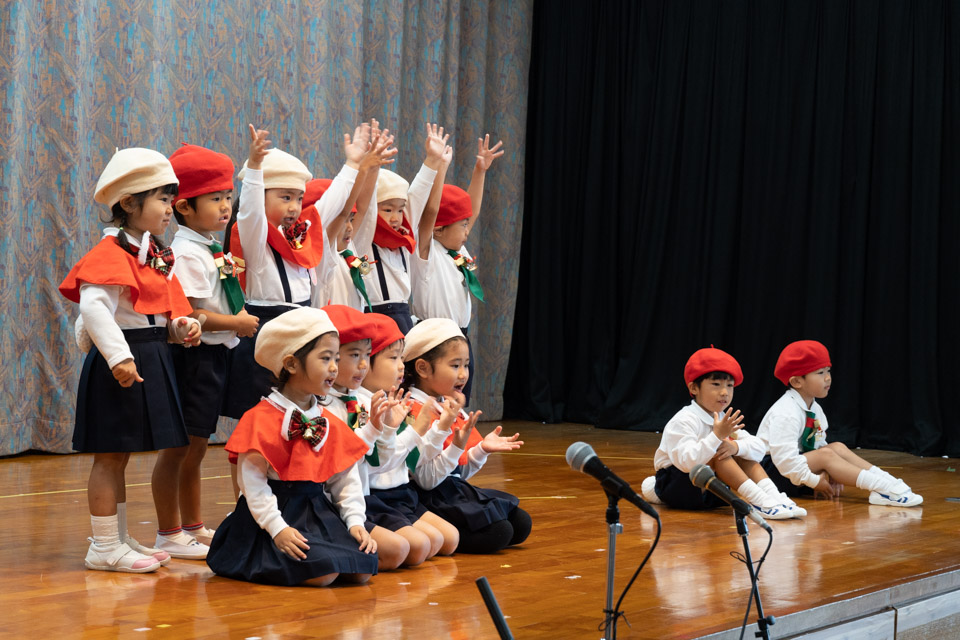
(794,431)
(708,431)
(436,357)
(291,454)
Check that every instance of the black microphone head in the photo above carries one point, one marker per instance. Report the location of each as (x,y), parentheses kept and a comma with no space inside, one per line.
(578,453)
(700,474)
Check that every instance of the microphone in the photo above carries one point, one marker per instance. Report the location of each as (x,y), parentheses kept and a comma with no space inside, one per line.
(581,457)
(704,477)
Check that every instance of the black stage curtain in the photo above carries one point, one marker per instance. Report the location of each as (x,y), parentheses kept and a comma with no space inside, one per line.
(744,174)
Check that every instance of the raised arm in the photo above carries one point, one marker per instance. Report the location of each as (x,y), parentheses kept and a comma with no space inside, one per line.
(485,157)
(439,155)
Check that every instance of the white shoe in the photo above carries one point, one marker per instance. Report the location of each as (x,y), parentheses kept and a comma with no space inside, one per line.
(785,499)
(909,499)
(182,545)
(646,489)
(776,512)
(119,558)
(162,556)
(798,511)
(204,535)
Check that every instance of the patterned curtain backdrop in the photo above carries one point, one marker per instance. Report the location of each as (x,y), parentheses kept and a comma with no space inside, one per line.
(79,79)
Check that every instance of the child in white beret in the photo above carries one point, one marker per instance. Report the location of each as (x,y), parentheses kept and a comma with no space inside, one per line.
(436,357)
(279,243)
(131,305)
(390,237)
(291,453)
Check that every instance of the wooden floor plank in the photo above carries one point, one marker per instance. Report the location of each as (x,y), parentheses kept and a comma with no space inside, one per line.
(551,587)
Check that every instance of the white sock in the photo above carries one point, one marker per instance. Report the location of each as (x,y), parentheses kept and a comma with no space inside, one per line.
(899,486)
(870,481)
(122,520)
(769,487)
(105,532)
(757,496)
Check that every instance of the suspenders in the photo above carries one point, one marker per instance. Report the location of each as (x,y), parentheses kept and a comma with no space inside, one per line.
(287,296)
(385,293)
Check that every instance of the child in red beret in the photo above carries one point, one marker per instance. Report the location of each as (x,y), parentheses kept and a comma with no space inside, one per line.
(794,430)
(708,431)
(444,273)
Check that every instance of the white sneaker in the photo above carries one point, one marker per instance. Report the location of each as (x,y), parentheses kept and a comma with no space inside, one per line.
(798,511)
(647,491)
(909,499)
(204,535)
(182,545)
(776,512)
(162,556)
(119,558)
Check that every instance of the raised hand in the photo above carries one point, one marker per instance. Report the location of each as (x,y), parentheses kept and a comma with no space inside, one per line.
(398,406)
(381,151)
(728,423)
(435,144)
(461,434)
(258,147)
(487,154)
(356,147)
(494,442)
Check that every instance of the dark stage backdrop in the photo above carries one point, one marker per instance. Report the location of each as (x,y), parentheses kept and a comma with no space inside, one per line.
(744,174)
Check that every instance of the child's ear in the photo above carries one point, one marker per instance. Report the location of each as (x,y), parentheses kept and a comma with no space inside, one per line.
(128,204)
(796,382)
(290,364)
(693,388)
(183,207)
(423,368)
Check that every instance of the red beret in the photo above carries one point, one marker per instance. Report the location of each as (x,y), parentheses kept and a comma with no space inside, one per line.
(455,205)
(385,332)
(704,361)
(201,171)
(352,325)
(800,358)
(315,190)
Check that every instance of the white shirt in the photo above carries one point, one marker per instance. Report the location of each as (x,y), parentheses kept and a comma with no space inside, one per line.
(780,431)
(392,450)
(200,278)
(343,489)
(106,310)
(368,433)
(439,287)
(334,284)
(435,462)
(688,440)
(392,261)
(264,286)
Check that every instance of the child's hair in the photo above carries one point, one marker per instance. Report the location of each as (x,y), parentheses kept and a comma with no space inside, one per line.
(410,376)
(301,355)
(714,375)
(120,214)
(192,203)
(373,357)
(234,210)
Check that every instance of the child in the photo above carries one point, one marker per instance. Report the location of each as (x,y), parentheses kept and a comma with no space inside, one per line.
(443,271)
(397,542)
(436,357)
(291,452)
(341,273)
(708,431)
(794,430)
(202,208)
(280,245)
(130,304)
(388,235)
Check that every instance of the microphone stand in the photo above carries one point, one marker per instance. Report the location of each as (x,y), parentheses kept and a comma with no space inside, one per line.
(614,528)
(762,621)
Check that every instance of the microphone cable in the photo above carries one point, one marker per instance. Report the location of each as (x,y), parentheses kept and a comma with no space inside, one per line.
(610,621)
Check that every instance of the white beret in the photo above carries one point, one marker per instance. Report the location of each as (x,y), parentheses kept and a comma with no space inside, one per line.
(427,334)
(281,171)
(131,171)
(286,333)
(390,186)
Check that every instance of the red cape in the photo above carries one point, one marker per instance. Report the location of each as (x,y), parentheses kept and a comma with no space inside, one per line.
(474,439)
(294,460)
(109,264)
(307,256)
(386,236)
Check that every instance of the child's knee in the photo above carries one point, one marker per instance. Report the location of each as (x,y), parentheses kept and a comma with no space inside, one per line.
(321,581)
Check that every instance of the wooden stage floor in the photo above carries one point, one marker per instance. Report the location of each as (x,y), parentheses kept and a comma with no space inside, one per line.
(551,587)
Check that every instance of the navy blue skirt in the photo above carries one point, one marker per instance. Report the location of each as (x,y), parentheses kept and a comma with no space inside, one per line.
(202,382)
(241,550)
(403,503)
(247,381)
(465,506)
(145,416)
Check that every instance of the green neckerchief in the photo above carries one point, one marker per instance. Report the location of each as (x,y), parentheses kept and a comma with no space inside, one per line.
(808,438)
(466,268)
(356,273)
(228,278)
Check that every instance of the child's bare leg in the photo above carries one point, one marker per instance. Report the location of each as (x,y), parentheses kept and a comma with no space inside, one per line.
(356,578)
(729,471)
(844,452)
(190,481)
(840,470)
(320,581)
(449,535)
(752,469)
(392,549)
(420,545)
(236,483)
(165,484)
(106,487)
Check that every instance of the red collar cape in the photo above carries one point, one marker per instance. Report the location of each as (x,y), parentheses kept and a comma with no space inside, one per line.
(387,237)
(295,460)
(109,264)
(473,440)
(307,256)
